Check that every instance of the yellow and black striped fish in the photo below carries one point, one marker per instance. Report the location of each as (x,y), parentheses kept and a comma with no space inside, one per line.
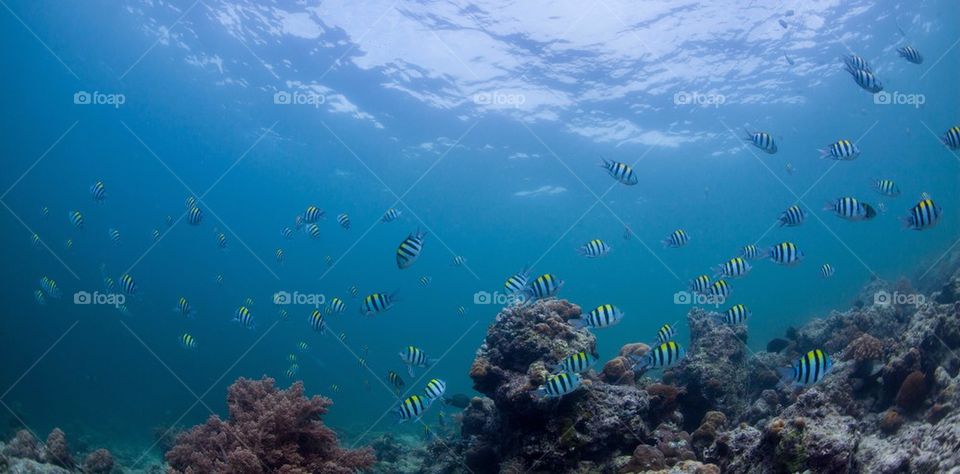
(575,363)
(811,368)
(409,250)
(560,385)
(924,215)
(377,303)
(665,355)
(412,408)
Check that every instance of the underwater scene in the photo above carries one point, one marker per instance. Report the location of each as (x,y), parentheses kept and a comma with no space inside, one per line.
(488,236)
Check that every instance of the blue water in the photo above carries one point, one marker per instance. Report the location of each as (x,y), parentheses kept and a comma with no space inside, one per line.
(188,128)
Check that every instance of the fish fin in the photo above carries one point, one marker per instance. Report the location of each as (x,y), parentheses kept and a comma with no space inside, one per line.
(785,373)
(578,323)
(410,370)
(824,152)
(828,206)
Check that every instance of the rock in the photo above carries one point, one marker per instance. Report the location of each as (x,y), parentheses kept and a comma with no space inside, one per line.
(56,451)
(913,391)
(891,421)
(98,462)
(645,458)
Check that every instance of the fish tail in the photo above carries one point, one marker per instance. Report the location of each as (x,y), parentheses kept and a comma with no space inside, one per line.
(824,152)
(785,374)
(578,323)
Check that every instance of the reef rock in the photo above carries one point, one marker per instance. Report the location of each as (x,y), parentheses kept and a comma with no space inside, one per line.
(596,424)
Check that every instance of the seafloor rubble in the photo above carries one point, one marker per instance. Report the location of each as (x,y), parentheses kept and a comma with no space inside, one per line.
(888,405)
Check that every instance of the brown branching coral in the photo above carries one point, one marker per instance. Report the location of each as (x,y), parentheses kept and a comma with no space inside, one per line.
(268,430)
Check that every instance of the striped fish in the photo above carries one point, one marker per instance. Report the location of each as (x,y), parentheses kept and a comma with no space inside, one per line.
(924,215)
(244,317)
(156,235)
(41,299)
(622,172)
(45,211)
(317,323)
(391,215)
(98,191)
(737,314)
(312,230)
(851,209)
(302,346)
(841,150)
(762,140)
(344,221)
(750,252)
(734,268)
(334,388)
(544,286)
(575,363)
(409,250)
(354,290)
(114,235)
(412,408)
(425,281)
(414,357)
(461,311)
(435,389)
(826,270)
(283,315)
(666,333)
(128,285)
(700,284)
(49,286)
(910,54)
(856,62)
(328,260)
(168,220)
(459,260)
(793,216)
(291,357)
(190,202)
(517,282)
(76,218)
(187,341)
(68,244)
(866,80)
(811,368)
(280,255)
(676,239)
(336,305)
(785,253)
(559,385)
(292,371)
(887,187)
(298,222)
(665,355)
(952,138)
(35,240)
(376,303)
(287,233)
(312,214)
(594,248)
(720,290)
(603,316)
(395,380)
(194,216)
(342,337)
(183,307)
(219,279)
(221,240)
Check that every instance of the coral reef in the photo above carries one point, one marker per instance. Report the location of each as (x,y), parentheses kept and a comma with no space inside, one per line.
(267,430)
(24,454)
(586,430)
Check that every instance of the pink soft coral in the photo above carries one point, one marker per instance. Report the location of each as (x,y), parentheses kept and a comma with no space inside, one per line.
(268,430)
